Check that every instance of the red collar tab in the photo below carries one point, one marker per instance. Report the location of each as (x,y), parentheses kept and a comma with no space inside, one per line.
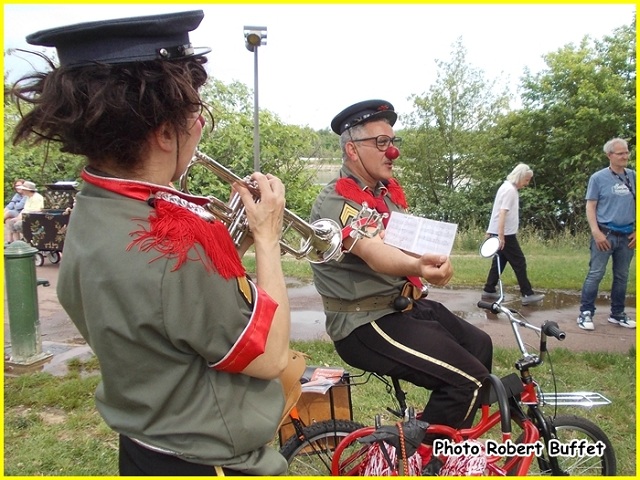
(136,189)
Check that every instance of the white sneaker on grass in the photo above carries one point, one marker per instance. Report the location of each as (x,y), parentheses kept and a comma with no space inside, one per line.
(585,322)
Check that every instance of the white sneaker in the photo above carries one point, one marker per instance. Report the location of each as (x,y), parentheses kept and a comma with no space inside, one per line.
(585,322)
(625,321)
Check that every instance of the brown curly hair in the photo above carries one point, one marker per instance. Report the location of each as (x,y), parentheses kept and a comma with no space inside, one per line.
(106,112)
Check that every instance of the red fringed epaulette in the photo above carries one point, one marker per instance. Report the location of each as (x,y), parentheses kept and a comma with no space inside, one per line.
(348,188)
(396,193)
(173,230)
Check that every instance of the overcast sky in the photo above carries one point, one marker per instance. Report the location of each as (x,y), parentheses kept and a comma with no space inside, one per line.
(320,58)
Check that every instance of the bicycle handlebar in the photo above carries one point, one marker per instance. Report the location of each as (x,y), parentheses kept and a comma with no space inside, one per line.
(492,307)
(551,329)
(496,308)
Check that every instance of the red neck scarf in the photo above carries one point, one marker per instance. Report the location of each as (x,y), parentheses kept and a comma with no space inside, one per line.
(348,188)
(177,223)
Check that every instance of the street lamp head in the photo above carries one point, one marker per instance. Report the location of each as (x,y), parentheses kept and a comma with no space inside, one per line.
(255,37)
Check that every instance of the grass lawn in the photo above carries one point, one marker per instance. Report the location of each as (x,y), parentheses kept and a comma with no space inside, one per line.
(52,427)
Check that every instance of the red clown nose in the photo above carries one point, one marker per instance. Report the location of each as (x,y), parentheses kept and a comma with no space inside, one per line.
(392,153)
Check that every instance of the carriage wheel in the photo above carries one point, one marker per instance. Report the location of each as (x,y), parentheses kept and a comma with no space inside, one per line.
(54,257)
(39,259)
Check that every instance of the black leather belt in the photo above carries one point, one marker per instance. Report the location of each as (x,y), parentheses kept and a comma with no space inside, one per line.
(608,231)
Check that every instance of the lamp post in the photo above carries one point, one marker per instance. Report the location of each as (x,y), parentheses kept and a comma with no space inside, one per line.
(254,37)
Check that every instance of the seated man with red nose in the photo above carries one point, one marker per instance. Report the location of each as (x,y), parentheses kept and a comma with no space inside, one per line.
(376,314)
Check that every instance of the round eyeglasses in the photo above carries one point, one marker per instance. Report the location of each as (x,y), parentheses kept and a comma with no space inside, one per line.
(382,141)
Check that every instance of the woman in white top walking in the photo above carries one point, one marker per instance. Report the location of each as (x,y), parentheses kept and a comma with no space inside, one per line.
(504,223)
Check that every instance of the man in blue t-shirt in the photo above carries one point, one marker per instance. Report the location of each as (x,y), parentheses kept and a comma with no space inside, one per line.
(611,212)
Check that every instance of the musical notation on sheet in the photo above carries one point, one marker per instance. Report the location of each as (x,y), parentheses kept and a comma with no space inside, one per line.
(420,235)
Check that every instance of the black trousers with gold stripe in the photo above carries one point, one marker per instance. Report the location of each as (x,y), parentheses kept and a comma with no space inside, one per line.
(431,347)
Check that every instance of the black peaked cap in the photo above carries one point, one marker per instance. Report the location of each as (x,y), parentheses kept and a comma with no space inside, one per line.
(124,40)
(363,112)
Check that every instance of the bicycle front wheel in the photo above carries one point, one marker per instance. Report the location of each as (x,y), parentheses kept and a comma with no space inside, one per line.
(311,453)
(571,428)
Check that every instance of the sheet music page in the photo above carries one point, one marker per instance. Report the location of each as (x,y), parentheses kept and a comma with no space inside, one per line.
(420,235)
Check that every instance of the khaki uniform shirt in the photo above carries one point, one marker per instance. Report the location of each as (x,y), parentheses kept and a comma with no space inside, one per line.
(157,333)
(349,278)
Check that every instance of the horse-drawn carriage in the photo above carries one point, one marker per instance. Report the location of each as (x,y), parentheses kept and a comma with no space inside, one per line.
(46,230)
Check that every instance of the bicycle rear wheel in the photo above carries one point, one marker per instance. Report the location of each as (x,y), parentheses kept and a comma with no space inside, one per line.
(311,453)
(571,428)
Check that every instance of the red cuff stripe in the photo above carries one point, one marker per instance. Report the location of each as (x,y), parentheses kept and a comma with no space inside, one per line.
(251,343)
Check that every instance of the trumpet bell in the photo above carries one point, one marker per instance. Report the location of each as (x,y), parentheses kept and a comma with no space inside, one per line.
(326,243)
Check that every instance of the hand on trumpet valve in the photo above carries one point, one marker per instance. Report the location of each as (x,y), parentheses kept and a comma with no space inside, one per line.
(265,217)
(253,187)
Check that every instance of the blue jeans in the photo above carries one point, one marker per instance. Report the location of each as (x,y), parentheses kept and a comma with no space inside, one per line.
(622,256)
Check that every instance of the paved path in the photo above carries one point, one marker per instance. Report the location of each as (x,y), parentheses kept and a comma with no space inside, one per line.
(60,337)
(308,318)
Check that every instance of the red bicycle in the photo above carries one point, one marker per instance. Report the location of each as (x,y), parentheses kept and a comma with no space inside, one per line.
(545,444)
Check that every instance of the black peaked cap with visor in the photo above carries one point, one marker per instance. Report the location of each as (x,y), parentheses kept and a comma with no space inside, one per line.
(363,112)
(124,40)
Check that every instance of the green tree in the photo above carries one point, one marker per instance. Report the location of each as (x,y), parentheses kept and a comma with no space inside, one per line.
(283,148)
(448,135)
(585,96)
(41,164)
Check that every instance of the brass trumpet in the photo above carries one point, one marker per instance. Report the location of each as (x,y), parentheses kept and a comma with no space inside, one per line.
(320,241)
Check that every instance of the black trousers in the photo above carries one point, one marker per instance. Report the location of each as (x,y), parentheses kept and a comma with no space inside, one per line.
(136,460)
(430,347)
(513,255)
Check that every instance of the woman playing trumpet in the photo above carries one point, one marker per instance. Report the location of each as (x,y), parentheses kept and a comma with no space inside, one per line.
(188,346)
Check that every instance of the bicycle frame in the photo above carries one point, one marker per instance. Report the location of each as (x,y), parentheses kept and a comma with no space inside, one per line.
(487,421)
(524,393)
